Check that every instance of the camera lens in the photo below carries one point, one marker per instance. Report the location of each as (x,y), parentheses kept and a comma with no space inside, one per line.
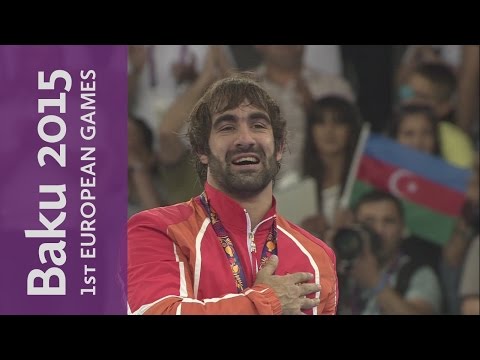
(347,244)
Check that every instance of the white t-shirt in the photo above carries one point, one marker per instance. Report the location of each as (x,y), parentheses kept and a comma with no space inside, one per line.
(330,198)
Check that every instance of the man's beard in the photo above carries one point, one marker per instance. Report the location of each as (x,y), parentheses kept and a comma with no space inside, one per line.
(242,183)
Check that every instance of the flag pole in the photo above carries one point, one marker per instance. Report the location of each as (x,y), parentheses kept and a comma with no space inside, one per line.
(352,172)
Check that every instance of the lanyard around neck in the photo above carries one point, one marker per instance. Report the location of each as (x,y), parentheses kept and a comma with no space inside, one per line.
(269,249)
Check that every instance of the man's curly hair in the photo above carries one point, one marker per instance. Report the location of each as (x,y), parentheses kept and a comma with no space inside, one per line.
(227,94)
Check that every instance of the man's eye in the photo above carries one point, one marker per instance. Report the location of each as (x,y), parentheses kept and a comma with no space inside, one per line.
(259,126)
(227,128)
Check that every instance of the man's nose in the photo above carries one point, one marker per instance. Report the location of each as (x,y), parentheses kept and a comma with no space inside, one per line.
(378,228)
(244,138)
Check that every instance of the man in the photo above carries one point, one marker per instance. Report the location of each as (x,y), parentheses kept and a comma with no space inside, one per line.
(227,251)
(389,282)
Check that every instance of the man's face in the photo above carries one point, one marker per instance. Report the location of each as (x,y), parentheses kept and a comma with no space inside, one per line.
(383,217)
(242,159)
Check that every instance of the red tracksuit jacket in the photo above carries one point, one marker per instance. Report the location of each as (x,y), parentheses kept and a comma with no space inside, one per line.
(176,264)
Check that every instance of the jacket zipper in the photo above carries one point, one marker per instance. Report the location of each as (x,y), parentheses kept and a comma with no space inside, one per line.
(252,247)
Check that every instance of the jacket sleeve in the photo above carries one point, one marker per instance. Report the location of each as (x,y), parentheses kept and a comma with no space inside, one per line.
(160,280)
(332,301)
(330,307)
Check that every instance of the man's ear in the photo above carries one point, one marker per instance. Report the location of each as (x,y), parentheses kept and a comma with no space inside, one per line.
(203,158)
(280,151)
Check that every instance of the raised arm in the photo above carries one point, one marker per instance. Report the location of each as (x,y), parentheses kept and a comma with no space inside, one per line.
(171,146)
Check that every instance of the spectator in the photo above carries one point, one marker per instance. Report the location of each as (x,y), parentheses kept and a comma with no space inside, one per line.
(434,84)
(331,137)
(143,191)
(387,280)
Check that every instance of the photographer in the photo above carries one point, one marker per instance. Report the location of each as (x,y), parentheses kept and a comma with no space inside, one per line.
(381,278)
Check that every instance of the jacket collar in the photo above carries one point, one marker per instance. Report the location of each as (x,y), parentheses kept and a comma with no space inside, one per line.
(231,214)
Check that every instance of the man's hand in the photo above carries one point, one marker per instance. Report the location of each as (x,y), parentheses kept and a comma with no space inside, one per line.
(217,65)
(185,71)
(291,289)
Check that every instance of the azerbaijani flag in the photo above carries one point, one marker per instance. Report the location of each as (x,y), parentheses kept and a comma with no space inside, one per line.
(432,191)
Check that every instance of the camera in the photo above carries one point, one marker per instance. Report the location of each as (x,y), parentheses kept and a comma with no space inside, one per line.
(348,244)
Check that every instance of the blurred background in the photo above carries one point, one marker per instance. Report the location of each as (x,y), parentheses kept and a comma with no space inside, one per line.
(405,187)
